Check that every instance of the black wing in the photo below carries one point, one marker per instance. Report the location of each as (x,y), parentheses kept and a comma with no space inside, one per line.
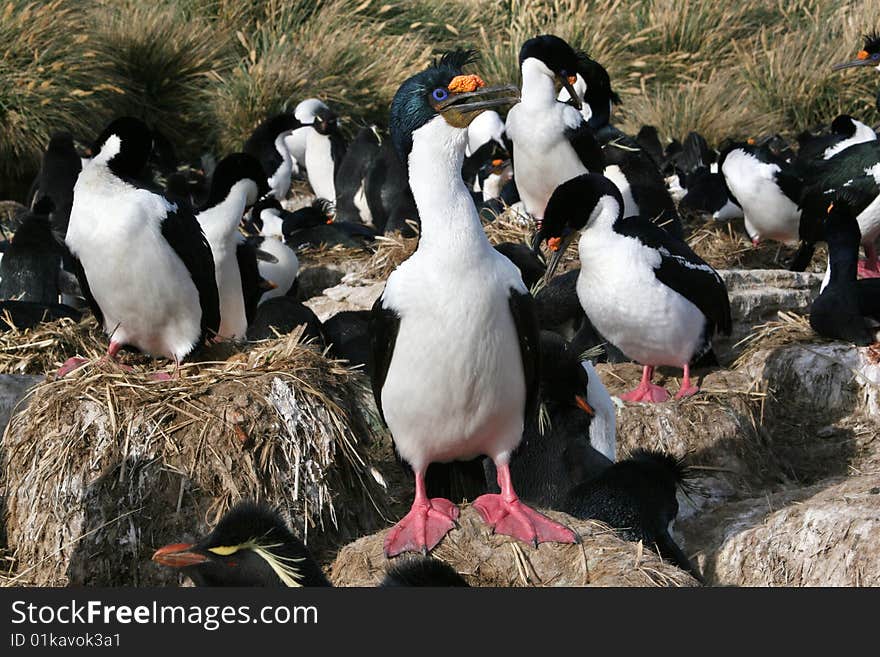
(86,290)
(183,234)
(384,325)
(683,270)
(587,147)
(522,307)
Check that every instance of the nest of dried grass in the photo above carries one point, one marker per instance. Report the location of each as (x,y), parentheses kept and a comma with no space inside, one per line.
(789,328)
(45,347)
(390,251)
(718,430)
(106,465)
(724,246)
(486,559)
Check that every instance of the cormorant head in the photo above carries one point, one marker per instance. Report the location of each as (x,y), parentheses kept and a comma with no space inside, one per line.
(551,56)
(593,89)
(441,92)
(232,170)
(841,227)
(573,206)
(306,111)
(124,146)
(869,55)
(250,546)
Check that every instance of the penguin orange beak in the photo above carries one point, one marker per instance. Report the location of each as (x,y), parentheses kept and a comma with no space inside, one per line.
(178,555)
(584,406)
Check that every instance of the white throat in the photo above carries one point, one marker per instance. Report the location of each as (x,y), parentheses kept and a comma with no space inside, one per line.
(538,85)
(446,208)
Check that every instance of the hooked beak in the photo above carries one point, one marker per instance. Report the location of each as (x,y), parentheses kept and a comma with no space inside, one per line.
(862,59)
(178,555)
(476,101)
(558,245)
(264,256)
(569,87)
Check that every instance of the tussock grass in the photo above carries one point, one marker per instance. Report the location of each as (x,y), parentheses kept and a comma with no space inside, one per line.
(164,61)
(49,79)
(207,71)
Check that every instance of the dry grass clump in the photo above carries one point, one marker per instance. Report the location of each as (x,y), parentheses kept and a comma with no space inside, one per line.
(51,79)
(390,251)
(44,348)
(165,62)
(790,328)
(709,101)
(104,466)
(725,246)
(485,559)
(299,52)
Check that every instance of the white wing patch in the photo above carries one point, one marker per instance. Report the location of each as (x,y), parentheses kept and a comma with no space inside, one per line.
(687,263)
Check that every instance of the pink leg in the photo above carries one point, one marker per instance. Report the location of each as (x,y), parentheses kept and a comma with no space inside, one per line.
(507,515)
(686,389)
(73,363)
(869,267)
(646,391)
(69,365)
(427,522)
(164,376)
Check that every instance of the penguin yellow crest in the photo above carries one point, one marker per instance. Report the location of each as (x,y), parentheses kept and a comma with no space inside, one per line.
(465,83)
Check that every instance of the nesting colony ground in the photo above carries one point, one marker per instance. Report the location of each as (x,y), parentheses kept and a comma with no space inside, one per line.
(102,467)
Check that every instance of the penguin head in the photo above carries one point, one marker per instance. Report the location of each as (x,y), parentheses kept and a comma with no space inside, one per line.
(421,571)
(844,125)
(61,143)
(551,56)
(706,193)
(325,121)
(564,381)
(250,546)
(124,146)
(237,170)
(573,206)
(442,92)
(869,55)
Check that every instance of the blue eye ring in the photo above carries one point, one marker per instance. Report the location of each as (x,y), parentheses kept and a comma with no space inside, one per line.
(875,56)
(440,94)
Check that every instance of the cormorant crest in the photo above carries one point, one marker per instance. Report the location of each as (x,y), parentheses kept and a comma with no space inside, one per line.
(410,109)
(872,42)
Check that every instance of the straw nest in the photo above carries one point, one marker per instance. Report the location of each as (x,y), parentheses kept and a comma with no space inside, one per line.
(788,328)
(724,246)
(718,430)
(45,347)
(106,465)
(486,559)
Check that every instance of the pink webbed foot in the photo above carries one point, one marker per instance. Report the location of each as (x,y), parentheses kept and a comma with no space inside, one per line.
(422,528)
(513,518)
(687,388)
(70,365)
(686,391)
(646,392)
(866,269)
